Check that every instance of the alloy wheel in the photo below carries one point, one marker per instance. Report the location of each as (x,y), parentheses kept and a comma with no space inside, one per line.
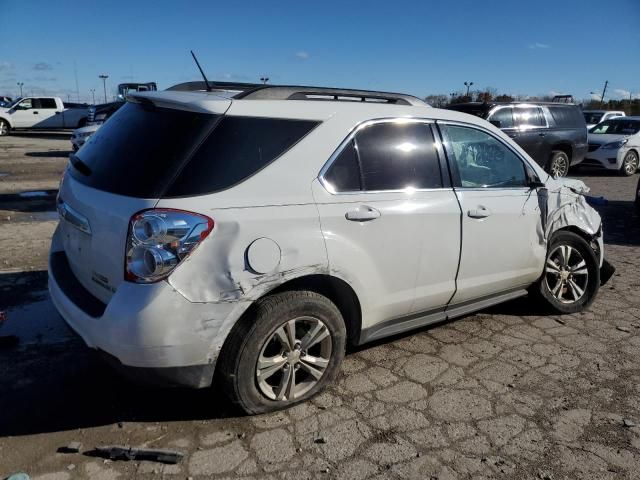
(560,166)
(630,163)
(3,128)
(293,359)
(566,274)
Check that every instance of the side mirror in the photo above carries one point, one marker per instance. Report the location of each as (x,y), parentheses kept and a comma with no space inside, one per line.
(496,123)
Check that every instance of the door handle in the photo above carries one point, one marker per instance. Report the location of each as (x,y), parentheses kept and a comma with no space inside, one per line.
(542,134)
(479,212)
(513,135)
(363,213)
(35,113)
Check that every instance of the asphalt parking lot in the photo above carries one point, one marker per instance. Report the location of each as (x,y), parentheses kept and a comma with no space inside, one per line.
(506,393)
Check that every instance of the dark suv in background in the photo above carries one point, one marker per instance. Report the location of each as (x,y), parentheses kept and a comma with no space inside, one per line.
(553,134)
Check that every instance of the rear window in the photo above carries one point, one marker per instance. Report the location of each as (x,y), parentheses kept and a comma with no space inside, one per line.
(568,117)
(236,149)
(140,149)
(149,152)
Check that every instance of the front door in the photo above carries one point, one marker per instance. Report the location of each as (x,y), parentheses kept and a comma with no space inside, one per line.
(24,114)
(501,247)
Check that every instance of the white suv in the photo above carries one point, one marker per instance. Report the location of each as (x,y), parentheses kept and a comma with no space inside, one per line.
(256,237)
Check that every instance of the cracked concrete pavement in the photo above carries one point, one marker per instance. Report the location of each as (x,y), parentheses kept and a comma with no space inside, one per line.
(506,393)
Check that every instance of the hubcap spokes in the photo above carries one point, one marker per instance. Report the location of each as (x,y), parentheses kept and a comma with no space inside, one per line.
(293,359)
(631,164)
(559,166)
(566,274)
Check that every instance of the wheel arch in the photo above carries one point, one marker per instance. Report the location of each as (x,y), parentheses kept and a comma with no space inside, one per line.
(8,122)
(563,147)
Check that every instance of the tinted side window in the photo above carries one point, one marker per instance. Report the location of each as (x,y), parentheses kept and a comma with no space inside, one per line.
(236,149)
(47,103)
(528,117)
(504,116)
(481,160)
(567,117)
(395,156)
(344,173)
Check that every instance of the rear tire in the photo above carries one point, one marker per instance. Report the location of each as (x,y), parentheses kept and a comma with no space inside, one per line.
(4,128)
(629,164)
(559,164)
(571,276)
(296,335)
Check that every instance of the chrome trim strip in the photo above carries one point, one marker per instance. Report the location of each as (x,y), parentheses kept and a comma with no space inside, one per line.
(72,216)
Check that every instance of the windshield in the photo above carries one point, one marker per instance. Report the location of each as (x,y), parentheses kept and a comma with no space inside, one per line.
(14,102)
(617,127)
(592,118)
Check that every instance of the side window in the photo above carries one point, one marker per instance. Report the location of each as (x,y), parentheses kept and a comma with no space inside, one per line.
(481,160)
(396,156)
(503,117)
(47,103)
(344,173)
(528,117)
(25,104)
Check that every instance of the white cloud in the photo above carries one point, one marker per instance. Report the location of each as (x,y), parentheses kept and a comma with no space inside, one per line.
(5,66)
(302,55)
(43,66)
(534,46)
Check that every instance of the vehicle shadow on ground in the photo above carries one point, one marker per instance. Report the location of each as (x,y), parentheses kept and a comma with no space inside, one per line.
(621,221)
(20,288)
(46,135)
(35,201)
(50,154)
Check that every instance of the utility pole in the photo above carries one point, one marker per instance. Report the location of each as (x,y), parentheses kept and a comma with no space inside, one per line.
(104,77)
(20,84)
(606,82)
(93,94)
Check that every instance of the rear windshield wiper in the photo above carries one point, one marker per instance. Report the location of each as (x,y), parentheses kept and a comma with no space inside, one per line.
(79,165)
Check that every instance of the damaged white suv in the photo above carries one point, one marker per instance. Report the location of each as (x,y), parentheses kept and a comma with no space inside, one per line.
(251,239)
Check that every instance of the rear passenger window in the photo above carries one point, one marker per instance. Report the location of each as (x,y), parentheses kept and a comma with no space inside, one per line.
(236,149)
(344,173)
(567,117)
(47,103)
(528,117)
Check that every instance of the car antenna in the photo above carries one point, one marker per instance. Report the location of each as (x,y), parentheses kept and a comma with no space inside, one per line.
(206,82)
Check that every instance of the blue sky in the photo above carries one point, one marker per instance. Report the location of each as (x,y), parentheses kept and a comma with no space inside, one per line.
(418,47)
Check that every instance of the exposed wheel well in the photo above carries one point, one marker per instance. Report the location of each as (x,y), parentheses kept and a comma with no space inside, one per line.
(590,239)
(563,147)
(336,290)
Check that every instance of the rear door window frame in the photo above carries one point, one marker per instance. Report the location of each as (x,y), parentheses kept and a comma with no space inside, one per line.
(349,140)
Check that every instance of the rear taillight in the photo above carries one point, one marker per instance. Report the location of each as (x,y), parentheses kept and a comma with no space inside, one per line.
(159,239)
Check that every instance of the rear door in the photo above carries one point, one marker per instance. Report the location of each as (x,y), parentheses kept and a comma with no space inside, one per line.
(501,249)
(390,219)
(49,116)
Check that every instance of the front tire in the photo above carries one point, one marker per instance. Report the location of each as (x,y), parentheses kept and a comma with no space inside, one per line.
(629,164)
(571,276)
(559,164)
(4,128)
(283,352)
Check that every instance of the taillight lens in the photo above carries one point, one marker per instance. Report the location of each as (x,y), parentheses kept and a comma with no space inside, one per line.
(159,239)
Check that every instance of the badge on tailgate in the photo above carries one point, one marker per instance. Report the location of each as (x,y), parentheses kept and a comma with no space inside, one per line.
(73,217)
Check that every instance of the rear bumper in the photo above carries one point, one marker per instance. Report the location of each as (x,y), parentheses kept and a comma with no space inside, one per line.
(148,331)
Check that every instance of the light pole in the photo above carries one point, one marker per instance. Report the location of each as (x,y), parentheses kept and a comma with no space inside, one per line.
(104,85)
(20,84)
(93,94)
(468,85)
(264,79)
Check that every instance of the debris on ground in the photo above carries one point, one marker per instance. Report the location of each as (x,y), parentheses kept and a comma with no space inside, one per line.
(628,423)
(128,453)
(624,329)
(9,341)
(73,447)
(319,440)
(18,476)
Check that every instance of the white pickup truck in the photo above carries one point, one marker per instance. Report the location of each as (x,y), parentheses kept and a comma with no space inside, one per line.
(42,113)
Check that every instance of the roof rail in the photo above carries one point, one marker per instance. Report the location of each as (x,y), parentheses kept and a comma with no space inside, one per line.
(259,91)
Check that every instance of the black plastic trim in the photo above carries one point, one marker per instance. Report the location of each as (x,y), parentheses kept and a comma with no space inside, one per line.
(72,288)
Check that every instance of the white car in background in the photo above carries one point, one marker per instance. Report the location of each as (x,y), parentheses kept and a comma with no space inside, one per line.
(593,117)
(615,145)
(81,135)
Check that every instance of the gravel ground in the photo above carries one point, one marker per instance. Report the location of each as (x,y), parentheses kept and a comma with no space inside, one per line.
(506,393)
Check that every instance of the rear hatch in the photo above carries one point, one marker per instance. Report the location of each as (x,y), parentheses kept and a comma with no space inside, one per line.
(125,167)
